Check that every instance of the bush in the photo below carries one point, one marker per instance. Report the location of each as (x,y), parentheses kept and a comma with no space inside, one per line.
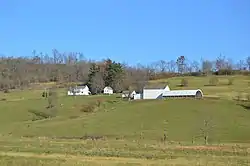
(184,82)
(213,81)
(248,97)
(230,81)
(238,97)
(88,108)
(38,115)
(6,91)
(52,98)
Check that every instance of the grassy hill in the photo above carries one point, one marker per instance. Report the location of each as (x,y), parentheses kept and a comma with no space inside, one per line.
(129,132)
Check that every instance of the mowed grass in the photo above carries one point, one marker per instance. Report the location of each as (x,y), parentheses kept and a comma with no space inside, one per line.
(130,132)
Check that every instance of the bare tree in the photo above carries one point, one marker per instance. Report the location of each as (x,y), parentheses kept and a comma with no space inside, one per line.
(98,83)
(207,66)
(195,66)
(241,65)
(172,66)
(248,62)
(221,63)
(162,65)
(181,63)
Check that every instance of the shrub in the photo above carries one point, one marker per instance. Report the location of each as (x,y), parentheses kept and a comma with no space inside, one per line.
(6,91)
(88,108)
(248,97)
(238,97)
(230,81)
(52,98)
(39,115)
(213,81)
(184,82)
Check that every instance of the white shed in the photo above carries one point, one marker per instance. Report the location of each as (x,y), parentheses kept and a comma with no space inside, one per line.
(108,90)
(79,91)
(154,91)
(137,96)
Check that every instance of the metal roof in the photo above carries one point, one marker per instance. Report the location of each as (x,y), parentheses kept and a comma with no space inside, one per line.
(181,93)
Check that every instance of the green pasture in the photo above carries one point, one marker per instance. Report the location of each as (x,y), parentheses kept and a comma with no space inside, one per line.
(118,132)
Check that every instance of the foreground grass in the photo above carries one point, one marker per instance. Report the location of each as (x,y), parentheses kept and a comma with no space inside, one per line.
(45,151)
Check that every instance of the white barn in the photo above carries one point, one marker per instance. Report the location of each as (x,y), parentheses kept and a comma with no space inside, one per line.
(183,93)
(108,90)
(161,92)
(79,91)
(154,92)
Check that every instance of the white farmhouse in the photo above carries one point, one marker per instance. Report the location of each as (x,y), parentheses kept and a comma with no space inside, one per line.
(79,91)
(108,90)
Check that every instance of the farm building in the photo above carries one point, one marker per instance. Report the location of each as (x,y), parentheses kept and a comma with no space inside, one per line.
(79,91)
(108,90)
(137,96)
(154,92)
(160,92)
(183,93)
(128,94)
(125,94)
(132,94)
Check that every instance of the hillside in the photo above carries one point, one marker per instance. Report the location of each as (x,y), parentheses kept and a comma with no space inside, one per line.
(131,129)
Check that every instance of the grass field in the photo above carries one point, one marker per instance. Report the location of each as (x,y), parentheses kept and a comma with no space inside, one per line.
(128,132)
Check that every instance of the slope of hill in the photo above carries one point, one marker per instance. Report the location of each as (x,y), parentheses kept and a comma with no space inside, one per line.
(159,129)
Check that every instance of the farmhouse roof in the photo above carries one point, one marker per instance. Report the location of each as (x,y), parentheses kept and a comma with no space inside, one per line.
(155,86)
(81,87)
(77,87)
(108,87)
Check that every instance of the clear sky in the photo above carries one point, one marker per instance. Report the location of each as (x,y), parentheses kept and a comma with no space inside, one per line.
(129,31)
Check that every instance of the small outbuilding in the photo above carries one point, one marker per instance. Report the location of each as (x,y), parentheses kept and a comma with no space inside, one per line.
(108,90)
(132,94)
(79,91)
(125,94)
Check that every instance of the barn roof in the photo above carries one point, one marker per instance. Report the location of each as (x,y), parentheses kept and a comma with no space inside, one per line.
(181,93)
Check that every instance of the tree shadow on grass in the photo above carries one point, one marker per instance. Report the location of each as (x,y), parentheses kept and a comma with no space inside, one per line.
(245,106)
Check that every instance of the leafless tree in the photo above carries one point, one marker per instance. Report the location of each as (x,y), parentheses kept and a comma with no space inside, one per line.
(162,65)
(248,62)
(241,65)
(195,66)
(181,64)
(172,66)
(207,66)
(98,83)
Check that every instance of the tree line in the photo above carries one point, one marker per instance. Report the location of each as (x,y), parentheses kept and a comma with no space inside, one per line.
(68,67)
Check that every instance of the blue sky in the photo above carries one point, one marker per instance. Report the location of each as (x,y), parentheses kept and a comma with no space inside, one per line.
(132,31)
